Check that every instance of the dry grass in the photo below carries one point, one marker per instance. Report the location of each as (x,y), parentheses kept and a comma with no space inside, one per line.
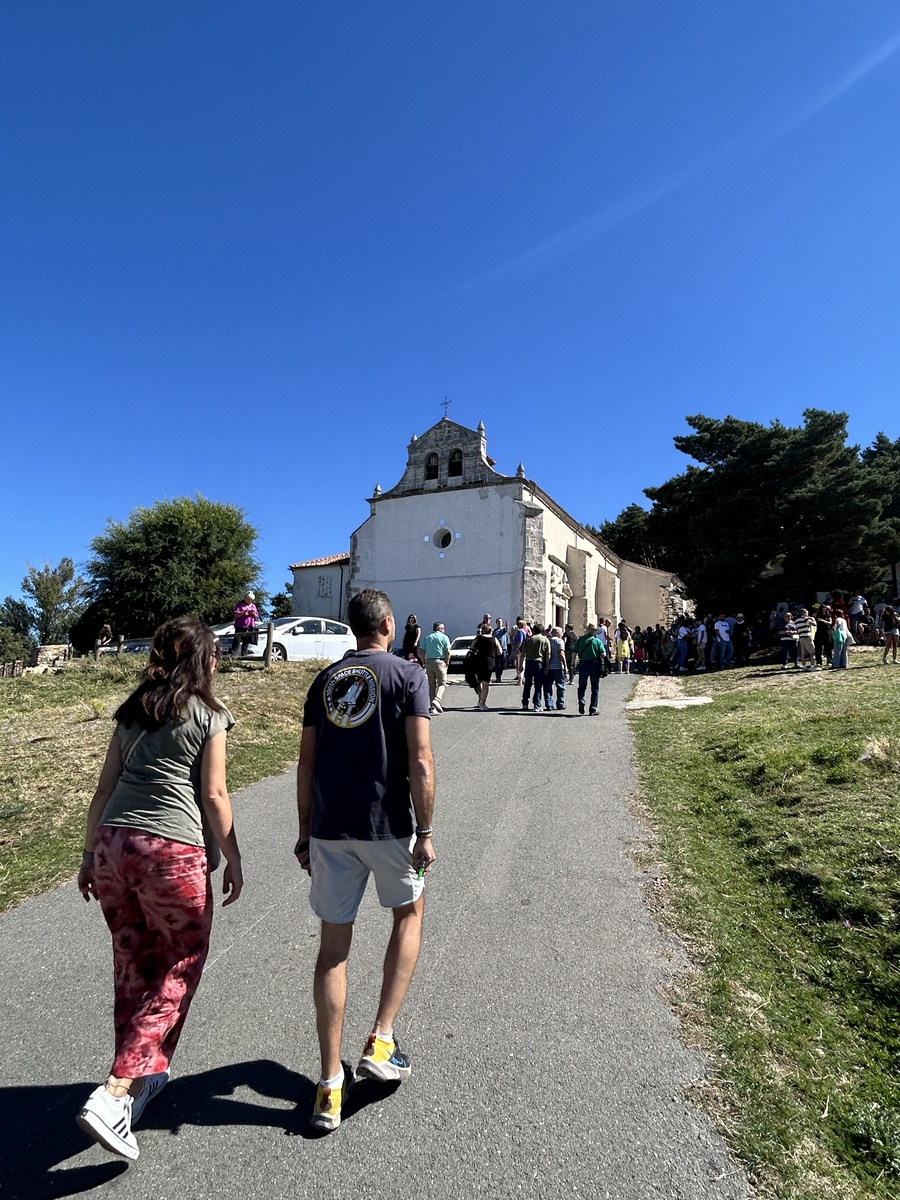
(54,731)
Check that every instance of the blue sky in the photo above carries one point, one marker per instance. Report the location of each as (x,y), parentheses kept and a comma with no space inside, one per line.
(248,249)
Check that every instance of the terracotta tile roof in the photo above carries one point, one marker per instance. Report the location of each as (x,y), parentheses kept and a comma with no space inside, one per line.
(327,561)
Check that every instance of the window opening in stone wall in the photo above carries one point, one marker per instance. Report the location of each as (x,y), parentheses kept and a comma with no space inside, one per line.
(454,466)
(432,464)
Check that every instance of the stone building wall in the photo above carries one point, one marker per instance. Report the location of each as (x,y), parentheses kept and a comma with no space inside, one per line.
(441,441)
(650,596)
(452,546)
(534,581)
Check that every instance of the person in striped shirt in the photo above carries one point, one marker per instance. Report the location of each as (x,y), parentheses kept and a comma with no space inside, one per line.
(806,628)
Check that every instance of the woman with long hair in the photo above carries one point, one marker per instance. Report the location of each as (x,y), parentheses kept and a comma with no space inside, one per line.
(412,635)
(161,789)
(840,633)
(624,647)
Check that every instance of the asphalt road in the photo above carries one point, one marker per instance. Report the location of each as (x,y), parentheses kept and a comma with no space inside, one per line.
(545,1062)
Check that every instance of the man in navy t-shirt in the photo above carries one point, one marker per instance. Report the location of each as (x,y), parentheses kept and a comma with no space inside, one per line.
(365,798)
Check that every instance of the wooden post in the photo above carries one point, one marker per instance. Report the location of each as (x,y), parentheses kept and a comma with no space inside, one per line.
(97,650)
(120,641)
(270,633)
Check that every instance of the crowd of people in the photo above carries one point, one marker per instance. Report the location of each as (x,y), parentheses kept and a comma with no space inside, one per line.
(547,660)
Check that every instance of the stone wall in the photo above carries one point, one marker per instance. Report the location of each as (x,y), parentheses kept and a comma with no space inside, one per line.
(650,596)
(442,440)
(50,656)
(535,579)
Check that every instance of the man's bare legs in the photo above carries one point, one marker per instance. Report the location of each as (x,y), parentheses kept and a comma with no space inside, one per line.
(330,993)
(399,964)
(330,986)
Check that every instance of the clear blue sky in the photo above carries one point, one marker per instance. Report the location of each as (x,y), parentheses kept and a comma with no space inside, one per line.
(247,249)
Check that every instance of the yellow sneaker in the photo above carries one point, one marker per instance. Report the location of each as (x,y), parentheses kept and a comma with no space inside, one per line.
(383,1060)
(327,1111)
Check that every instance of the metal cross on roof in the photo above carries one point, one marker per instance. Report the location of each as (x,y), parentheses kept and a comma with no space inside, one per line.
(445,404)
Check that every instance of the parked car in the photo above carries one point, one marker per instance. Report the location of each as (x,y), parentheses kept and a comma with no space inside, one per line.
(129,646)
(296,638)
(459,648)
(225,632)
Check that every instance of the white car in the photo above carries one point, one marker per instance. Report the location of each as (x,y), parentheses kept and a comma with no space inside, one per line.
(296,638)
(129,646)
(459,648)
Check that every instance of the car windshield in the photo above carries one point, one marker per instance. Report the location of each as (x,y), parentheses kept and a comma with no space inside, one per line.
(462,643)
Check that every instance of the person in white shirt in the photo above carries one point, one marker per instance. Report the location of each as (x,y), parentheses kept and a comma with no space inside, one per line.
(723,632)
(856,607)
(682,642)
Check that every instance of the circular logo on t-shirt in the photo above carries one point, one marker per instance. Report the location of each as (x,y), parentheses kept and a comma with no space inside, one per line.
(351,695)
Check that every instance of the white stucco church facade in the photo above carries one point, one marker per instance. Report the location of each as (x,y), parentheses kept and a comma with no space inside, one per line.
(454,539)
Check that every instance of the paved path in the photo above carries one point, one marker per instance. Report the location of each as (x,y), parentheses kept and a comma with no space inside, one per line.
(545,1062)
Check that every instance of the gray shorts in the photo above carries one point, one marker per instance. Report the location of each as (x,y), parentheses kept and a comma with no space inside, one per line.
(340,871)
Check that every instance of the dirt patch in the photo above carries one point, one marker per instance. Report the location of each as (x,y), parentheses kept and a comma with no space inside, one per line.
(663,691)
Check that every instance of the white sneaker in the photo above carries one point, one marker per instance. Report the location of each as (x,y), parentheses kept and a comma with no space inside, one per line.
(107,1119)
(153,1085)
(437,707)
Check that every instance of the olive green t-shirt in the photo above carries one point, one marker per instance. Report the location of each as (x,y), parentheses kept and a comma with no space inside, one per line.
(536,648)
(158,791)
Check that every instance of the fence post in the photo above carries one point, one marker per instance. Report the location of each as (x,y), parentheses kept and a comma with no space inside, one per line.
(97,650)
(120,641)
(270,632)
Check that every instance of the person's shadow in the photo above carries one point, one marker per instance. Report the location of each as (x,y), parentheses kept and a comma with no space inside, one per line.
(40,1134)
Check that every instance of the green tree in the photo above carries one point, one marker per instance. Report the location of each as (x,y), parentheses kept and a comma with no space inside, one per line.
(280,604)
(770,511)
(178,556)
(882,461)
(630,535)
(57,598)
(16,637)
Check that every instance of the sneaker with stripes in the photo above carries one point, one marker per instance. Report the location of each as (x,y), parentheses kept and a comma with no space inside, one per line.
(107,1119)
(153,1085)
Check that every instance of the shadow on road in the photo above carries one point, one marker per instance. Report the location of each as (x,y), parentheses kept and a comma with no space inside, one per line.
(40,1134)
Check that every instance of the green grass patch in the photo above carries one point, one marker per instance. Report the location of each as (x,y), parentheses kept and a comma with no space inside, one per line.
(777,811)
(54,730)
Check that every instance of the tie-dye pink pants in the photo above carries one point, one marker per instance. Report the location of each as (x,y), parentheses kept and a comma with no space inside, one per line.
(157,900)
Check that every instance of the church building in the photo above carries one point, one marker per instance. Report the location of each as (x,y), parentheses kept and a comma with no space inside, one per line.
(455,539)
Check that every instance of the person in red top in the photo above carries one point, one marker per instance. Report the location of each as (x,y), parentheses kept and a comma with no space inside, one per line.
(838,606)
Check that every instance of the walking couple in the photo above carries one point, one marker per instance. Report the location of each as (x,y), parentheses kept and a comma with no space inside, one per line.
(161,816)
